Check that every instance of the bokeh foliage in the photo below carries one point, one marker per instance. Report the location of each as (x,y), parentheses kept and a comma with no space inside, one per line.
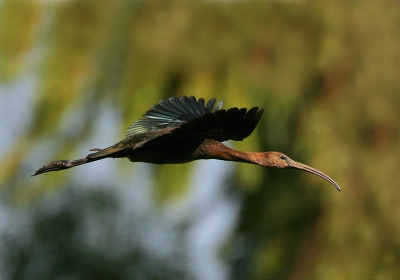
(327,73)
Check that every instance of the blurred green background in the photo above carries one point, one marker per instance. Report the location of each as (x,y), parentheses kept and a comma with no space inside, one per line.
(75,74)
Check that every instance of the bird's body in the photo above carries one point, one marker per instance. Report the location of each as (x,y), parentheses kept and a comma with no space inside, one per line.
(181,130)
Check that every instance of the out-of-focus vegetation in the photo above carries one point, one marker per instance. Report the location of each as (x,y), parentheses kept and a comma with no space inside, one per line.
(327,73)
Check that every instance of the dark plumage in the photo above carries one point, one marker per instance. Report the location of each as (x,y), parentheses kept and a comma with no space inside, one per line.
(183,129)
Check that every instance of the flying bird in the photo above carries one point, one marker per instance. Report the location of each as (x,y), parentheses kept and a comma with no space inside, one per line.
(183,129)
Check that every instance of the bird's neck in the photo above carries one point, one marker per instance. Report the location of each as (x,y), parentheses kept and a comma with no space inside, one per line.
(216,150)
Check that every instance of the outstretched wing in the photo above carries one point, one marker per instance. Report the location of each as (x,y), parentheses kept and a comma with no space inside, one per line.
(222,125)
(179,117)
(172,112)
(187,117)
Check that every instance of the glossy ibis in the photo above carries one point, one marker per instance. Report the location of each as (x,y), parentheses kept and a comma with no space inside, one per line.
(183,129)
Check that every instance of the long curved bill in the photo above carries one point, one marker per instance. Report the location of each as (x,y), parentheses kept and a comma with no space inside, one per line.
(301,166)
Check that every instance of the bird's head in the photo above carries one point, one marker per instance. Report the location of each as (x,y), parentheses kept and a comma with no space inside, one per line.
(279,160)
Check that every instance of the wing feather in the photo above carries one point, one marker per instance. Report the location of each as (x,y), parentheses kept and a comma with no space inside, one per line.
(210,105)
(177,105)
(171,113)
(202,106)
(235,124)
(187,117)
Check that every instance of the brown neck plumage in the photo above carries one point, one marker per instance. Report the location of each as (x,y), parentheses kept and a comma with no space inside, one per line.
(216,150)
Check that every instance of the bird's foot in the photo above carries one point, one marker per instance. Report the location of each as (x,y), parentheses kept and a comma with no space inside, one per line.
(53,166)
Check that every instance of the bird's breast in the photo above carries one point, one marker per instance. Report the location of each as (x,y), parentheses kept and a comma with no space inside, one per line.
(173,151)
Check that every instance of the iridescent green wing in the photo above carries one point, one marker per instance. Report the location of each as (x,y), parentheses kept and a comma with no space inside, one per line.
(172,113)
(188,117)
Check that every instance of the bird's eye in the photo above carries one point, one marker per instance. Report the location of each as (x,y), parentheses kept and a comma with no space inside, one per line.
(284,157)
